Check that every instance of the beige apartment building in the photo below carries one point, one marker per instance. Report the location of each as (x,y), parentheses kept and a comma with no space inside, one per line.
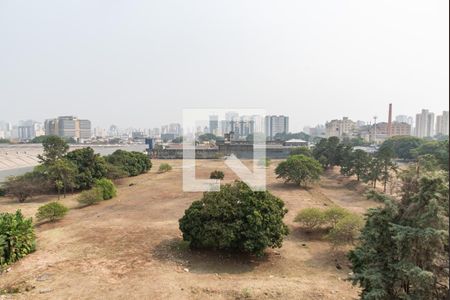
(68,127)
(340,128)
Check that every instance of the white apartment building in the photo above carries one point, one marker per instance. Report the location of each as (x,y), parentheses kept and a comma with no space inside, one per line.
(276,124)
(442,123)
(424,124)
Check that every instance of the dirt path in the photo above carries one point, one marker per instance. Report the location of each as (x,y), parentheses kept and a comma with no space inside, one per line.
(130,247)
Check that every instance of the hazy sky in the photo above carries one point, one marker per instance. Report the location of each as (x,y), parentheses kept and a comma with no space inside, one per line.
(139,63)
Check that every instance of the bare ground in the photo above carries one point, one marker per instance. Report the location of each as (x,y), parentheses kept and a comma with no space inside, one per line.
(130,247)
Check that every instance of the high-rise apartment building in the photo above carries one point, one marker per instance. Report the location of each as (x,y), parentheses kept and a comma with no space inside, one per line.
(442,123)
(214,124)
(276,124)
(424,124)
(68,127)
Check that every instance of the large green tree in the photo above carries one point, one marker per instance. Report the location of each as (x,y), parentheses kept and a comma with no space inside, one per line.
(90,166)
(299,169)
(303,150)
(403,145)
(54,148)
(403,250)
(439,149)
(235,218)
(133,163)
(385,157)
(355,163)
(329,152)
(63,174)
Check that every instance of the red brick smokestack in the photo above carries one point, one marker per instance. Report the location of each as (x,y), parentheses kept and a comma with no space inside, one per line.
(390,120)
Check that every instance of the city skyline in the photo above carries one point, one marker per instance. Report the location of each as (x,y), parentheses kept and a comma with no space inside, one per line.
(141,64)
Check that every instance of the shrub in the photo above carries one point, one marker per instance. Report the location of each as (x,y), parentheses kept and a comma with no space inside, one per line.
(334,214)
(107,188)
(52,211)
(89,197)
(17,237)
(164,167)
(217,175)
(311,218)
(299,169)
(235,218)
(346,230)
(2,192)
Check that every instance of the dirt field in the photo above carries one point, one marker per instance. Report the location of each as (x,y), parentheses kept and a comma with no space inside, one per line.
(130,247)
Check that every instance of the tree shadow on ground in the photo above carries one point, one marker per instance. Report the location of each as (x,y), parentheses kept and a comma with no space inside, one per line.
(303,235)
(288,186)
(203,261)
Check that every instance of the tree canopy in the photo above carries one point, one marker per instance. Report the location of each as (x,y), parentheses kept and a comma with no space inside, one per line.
(299,169)
(90,167)
(403,250)
(235,218)
(54,148)
(403,145)
(134,163)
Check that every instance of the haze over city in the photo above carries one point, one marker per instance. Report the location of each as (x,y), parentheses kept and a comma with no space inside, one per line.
(140,63)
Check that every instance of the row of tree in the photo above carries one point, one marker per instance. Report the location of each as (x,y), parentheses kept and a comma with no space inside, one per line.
(63,171)
(380,166)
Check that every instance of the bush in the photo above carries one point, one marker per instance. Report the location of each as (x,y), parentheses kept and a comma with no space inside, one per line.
(107,188)
(89,197)
(2,192)
(334,214)
(52,211)
(217,175)
(134,163)
(235,218)
(164,167)
(17,237)
(311,218)
(346,230)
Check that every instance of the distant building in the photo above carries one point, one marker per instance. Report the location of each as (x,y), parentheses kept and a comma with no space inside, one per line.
(68,127)
(214,124)
(28,130)
(398,128)
(276,124)
(404,119)
(318,130)
(340,128)
(296,143)
(424,124)
(442,123)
